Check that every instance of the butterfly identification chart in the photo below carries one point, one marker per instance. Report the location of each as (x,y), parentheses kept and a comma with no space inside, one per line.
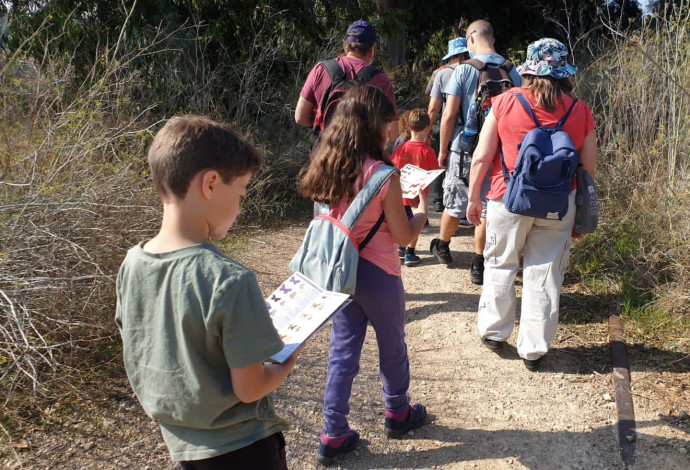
(413,178)
(299,308)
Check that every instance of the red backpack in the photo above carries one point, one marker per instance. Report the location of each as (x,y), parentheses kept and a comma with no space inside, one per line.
(340,85)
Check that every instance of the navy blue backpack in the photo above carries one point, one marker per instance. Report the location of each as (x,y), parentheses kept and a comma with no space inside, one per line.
(543,176)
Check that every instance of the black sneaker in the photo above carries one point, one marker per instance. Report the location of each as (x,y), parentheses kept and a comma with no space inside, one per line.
(441,251)
(326,454)
(438,206)
(415,419)
(493,344)
(533,364)
(477,270)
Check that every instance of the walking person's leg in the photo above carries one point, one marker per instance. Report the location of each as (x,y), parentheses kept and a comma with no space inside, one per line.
(385,308)
(505,235)
(546,257)
(477,265)
(455,202)
(348,331)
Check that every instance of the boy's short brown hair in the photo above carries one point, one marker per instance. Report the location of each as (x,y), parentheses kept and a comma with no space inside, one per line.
(419,120)
(186,145)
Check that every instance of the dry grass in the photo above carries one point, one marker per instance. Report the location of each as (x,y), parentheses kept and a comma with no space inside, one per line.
(75,195)
(638,86)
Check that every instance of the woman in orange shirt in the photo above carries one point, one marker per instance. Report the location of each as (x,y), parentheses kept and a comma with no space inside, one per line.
(544,244)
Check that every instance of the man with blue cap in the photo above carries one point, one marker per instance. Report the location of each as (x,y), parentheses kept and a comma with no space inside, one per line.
(359,47)
(457,53)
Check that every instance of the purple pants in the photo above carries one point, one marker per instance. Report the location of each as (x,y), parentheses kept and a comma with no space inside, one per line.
(379,299)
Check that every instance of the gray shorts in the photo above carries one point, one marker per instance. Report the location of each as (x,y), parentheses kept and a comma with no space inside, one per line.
(455,189)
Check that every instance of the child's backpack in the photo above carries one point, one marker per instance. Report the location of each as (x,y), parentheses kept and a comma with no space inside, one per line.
(543,176)
(492,81)
(335,92)
(586,204)
(329,253)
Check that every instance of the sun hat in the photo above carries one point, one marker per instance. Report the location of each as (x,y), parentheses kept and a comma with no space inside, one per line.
(361,31)
(456,46)
(547,57)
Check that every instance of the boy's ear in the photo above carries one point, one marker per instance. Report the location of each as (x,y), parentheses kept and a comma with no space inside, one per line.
(209,180)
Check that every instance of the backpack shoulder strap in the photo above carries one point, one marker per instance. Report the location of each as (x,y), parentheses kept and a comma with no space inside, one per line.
(372,232)
(560,124)
(367,73)
(476,63)
(507,66)
(334,71)
(366,195)
(528,108)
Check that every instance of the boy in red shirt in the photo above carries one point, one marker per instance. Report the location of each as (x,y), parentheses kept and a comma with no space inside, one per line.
(417,153)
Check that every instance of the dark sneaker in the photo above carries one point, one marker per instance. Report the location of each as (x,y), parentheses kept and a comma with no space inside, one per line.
(398,428)
(477,270)
(401,252)
(465,223)
(533,365)
(441,251)
(438,206)
(493,344)
(411,259)
(330,447)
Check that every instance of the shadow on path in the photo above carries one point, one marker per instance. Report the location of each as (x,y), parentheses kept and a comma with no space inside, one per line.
(533,449)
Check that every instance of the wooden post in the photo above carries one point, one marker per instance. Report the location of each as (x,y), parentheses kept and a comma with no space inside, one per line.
(627,434)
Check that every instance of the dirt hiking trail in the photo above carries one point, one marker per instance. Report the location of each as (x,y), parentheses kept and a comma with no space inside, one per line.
(486,411)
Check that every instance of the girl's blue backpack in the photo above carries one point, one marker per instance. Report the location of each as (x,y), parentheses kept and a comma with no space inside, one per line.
(329,253)
(543,176)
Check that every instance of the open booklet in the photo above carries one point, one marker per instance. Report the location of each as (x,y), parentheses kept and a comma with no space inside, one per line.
(413,178)
(299,309)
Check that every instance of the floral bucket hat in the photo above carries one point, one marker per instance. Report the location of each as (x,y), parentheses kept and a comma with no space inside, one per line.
(547,57)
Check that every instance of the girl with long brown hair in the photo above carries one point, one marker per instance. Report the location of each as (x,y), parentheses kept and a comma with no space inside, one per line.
(351,150)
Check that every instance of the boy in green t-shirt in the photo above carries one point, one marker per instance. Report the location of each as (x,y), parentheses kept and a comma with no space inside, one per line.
(194,324)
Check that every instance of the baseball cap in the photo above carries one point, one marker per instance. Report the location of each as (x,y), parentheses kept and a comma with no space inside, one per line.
(361,31)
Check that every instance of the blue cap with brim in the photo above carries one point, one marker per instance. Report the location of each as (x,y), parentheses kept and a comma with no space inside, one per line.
(361,31)
(456,46)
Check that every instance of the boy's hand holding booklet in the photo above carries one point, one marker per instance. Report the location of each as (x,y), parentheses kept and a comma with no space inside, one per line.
(413,178)
(299,309)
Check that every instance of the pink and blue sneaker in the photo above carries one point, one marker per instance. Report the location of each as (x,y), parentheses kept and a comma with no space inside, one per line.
(330,447)
(399,424)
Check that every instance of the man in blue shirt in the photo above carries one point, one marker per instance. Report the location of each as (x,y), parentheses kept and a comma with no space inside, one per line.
(461,91)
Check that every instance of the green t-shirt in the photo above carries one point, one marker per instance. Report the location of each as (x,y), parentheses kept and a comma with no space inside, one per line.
(186,317)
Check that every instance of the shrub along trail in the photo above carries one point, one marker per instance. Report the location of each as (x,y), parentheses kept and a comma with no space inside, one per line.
(486,410)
